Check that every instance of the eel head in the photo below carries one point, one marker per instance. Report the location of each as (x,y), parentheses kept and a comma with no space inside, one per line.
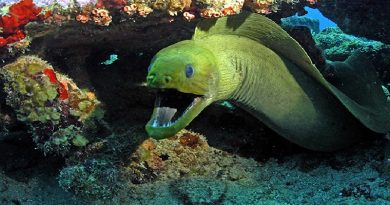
(185,79)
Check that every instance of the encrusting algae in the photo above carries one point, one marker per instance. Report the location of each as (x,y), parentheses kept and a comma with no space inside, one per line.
(49,102)
(185,154)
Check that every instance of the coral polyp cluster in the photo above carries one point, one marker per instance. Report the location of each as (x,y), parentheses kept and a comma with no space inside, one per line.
(185,154)
(29,88)
(222,8)
(139,9)
(187,8)
(16,15)
(33,87)
(49,102)
(261,6)
(99,16)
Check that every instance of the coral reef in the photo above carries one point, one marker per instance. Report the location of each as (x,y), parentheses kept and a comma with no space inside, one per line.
(118,4)
(102,12)
(262,6)
(350,177)
(99,16)
(215,9)
(189,171)
(62,3)
(185,154)
(16,17)
(337,46)
(119,13)
(49,102)
(140,9)
(97,176)
(363,18)
(312,24)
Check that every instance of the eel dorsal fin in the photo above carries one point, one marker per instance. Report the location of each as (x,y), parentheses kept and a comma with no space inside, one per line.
(374,113)
(261,29)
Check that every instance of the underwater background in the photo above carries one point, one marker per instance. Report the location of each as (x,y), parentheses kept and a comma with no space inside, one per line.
(74,103)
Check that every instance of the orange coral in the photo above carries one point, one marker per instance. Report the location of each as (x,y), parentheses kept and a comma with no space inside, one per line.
(189,140)
(311,2)
(260,6)
(228,11)
(131,9)
(82,18)
(101,16)
(148,145)
(82,103)
(210,13)
(141,9)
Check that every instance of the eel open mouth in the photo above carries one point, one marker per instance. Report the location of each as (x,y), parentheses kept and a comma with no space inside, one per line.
(171,105)
(173,111)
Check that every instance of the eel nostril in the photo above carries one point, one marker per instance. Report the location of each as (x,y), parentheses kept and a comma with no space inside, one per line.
(150,77)
(167,79)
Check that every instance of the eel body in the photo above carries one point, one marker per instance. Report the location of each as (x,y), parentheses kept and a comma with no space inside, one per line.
(250,60)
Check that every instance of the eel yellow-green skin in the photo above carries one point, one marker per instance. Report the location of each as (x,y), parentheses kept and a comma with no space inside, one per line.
(250,60)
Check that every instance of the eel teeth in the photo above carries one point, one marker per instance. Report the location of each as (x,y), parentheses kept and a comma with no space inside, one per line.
(164,116)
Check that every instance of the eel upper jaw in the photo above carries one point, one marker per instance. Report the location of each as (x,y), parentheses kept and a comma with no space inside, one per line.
(173,111)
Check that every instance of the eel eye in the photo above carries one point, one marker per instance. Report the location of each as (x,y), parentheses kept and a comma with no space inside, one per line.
(189,71)
(149,67)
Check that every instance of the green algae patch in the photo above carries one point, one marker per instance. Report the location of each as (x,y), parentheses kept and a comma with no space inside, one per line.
(51,104)
(29,90)
(79,141)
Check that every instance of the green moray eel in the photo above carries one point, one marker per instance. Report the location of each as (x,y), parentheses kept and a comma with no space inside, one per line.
(251,61)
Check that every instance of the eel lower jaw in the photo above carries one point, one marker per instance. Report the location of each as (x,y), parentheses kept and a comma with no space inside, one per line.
(168,119)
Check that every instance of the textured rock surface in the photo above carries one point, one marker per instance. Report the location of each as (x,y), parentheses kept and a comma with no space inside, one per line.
(200,190)
(366,18)
(337,46)
(312,24)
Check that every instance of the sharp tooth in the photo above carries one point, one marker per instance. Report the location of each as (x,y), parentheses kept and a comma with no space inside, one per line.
(164,115)
(154,123)
(196,100)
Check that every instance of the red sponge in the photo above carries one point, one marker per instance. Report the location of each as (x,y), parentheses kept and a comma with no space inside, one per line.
(19,14)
